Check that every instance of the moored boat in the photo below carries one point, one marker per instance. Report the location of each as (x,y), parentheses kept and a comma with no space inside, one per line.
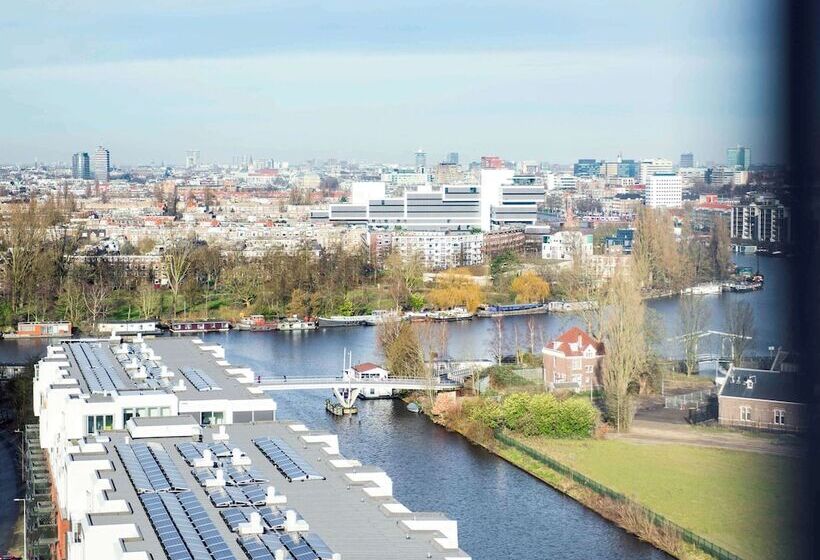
(346,321)
(295,324)
(256,323)
(703,289)
(203,326)
(454,314)
(512,309)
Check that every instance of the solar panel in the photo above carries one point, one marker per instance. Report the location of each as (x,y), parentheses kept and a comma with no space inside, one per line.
(318,545)
(233,516)
(193,451)
(298,547)
(201,381)
(237,476)
(255,549)
(184,528)
(150,469)
(287,462)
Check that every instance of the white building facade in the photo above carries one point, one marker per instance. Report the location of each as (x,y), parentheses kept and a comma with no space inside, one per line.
(664,190)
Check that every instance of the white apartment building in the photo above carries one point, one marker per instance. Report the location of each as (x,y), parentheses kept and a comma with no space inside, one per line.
(566,245)
(651,166)
(163,450)
(664,190)
(441,250)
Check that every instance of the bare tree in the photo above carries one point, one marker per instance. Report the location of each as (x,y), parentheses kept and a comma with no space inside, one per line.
(97,298)
(497,331)
(741,323)
(149,299)
(694,316)
(177,265)
(73,303)
(626,351)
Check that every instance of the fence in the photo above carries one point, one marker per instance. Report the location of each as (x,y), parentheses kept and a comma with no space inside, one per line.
(660,521)
(687,400)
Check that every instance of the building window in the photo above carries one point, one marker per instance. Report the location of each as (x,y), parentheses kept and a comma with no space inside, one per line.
(213,418)
(96,424)
(588,369)
(576,363)
(780,417)
(746,413)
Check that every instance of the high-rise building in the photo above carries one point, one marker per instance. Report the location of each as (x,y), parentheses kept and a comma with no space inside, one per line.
(664,190)
(421,161)
(452,157)
(739,157)
(81,166)
(651,166)
(192,158)
(628,168)
(586,168)
(102,164)
(765,220)
(687,160)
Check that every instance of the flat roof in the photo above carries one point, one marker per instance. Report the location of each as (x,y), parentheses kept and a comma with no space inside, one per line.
(348,520)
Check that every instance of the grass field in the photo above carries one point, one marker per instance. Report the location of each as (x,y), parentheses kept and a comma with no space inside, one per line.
(740,501)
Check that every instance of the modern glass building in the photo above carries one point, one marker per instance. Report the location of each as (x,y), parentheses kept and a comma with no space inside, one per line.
(739,157)
(586,168)
(81,166)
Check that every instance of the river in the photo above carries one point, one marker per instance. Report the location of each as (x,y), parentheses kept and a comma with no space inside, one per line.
(502,511)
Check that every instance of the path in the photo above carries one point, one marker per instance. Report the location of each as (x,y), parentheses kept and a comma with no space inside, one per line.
(656,431)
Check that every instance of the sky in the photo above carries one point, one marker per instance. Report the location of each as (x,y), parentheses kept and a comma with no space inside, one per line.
(375,81)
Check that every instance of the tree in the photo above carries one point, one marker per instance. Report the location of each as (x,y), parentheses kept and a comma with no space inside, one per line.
(24,236)
(72,302)
(403,276)
(97,298)
(401,348)
(740,322)
(720,248)
(528,287)
(659,262)
(455,290)
(624,335)
(243,283)
(694,316)
(148,300)
(178,262)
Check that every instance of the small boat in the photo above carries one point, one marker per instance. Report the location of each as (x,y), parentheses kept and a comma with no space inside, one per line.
(414,408)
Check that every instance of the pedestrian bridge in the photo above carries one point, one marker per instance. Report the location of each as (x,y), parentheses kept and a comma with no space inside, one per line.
(347,390)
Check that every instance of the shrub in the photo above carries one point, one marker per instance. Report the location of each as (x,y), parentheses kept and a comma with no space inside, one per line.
(485,412)
(544,415)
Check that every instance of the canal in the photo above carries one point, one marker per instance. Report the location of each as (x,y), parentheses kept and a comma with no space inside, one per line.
(502,511)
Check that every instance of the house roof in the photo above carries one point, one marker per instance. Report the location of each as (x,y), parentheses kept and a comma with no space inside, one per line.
(574,342)
(762,385)
(365,366)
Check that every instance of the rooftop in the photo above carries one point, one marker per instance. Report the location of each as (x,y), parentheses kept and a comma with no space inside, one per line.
(347,505)
(762,385)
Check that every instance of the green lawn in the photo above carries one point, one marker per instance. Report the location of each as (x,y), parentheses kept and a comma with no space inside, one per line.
(740,501)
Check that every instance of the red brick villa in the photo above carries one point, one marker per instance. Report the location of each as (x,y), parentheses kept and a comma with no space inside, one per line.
(572,361)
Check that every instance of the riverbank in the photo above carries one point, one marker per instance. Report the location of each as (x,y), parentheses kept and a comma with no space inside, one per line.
(707,491)
(632,521)
(10,488)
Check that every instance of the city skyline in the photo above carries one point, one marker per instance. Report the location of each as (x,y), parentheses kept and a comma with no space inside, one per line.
(524,81)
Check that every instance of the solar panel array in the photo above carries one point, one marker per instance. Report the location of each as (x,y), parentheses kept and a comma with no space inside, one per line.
(286,460)
(184,529)
(153,371)
(234,476)
(191,451)
(200,380)
(263,547)
(150,468)
(251,495)
(96,367)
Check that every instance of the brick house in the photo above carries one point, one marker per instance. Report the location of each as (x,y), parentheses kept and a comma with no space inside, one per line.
(573,361)
(762,399)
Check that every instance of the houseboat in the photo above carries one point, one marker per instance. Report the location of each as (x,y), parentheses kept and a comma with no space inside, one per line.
(295,324)
(35,329)
(372,372)
(256,323)
(449,315)
(703,289)
(513,309)
(346,321)
(129,328)
(203,326)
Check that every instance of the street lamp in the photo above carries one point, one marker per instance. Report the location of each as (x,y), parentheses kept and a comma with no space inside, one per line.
(25,526)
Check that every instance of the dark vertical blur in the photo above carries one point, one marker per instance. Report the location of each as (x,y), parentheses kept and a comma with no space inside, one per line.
(804,161)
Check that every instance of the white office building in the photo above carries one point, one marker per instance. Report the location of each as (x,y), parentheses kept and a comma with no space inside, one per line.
(566,245)
(651,166)
(664,190)
(501,198)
